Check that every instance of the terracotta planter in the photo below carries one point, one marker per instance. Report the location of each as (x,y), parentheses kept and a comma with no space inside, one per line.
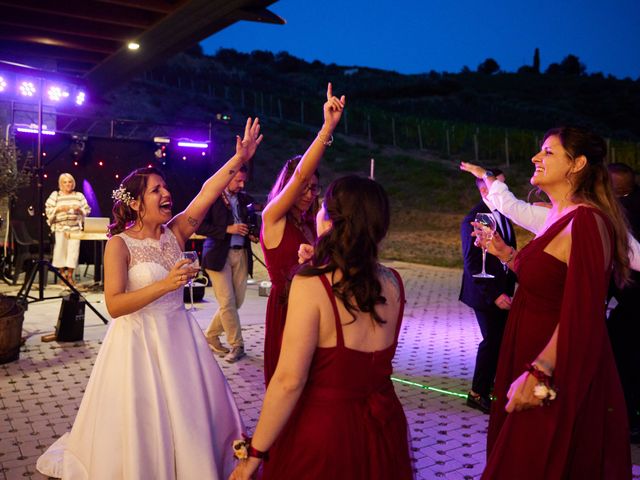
(11,318)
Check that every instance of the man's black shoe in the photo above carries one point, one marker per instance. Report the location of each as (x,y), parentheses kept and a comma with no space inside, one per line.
(478,402)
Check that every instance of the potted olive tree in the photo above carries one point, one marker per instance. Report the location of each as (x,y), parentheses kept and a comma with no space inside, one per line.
(13,177)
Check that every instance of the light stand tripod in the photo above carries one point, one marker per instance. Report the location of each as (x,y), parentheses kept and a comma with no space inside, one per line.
(39,267)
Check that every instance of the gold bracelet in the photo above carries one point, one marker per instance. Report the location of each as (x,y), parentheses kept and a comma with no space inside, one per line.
(327,140)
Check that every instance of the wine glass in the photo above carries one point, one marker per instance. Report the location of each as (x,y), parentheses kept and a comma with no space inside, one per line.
(485,228)
(192,256)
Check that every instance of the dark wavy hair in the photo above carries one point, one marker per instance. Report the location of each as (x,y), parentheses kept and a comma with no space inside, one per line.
(283,177)
(359,211)
(592,186)
(135,184)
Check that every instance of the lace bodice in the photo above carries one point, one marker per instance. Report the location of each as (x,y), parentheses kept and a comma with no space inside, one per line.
(150,261)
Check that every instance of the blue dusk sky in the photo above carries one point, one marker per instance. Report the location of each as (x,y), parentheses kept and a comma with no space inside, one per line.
(417,36)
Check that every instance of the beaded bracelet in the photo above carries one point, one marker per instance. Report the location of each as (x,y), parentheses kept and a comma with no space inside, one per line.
(544,390)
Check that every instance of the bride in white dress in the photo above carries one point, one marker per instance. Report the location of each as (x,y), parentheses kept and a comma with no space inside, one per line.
(157,405)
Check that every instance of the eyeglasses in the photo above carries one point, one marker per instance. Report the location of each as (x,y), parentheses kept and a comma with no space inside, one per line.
(314,188)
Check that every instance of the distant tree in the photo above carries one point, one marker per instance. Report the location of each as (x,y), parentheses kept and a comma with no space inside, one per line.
(571,65)
(465,69)
(288,63)
(536,60)
(554,69)
(527,69)
(230,56)
(262,56)
(195,51)
(488,67)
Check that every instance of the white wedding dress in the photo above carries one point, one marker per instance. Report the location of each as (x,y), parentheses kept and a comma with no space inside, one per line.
(157,405)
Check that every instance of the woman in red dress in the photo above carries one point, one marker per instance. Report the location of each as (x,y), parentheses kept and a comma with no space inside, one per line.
(288,222)
(330,411)
(559,411)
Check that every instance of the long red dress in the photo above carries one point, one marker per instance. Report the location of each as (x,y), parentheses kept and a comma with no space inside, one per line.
(281,261)
(583,433)
(348,423)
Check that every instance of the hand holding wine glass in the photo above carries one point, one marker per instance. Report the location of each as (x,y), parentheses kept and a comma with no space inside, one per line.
(194,267)
(484,229)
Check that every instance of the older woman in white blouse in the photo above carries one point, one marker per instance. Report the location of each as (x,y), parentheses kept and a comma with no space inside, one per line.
(65,209)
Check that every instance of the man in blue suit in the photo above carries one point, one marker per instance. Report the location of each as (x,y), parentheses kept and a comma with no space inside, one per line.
(490,298)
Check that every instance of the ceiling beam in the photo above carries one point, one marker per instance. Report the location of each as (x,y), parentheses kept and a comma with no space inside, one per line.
(18,50)
(43,37)
(256,14)
(61,24)
(160,6)
(89,10)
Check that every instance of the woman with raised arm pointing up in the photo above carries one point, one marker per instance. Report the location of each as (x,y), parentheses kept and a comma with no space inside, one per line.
(288,221)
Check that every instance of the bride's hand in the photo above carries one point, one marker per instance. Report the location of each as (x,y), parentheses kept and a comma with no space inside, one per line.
(179,275)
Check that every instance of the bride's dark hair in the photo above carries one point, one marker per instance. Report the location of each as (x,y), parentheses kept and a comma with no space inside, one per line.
(359,211)
(135,185)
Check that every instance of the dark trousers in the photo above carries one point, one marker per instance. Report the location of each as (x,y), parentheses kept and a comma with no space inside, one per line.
(624,333)
(491,322)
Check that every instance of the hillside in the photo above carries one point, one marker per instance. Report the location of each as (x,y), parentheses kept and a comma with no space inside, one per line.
(416,127)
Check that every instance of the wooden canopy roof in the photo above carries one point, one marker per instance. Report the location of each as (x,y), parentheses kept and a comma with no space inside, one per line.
(89,38)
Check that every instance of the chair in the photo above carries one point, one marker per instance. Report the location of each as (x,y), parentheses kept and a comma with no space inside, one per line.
(25,247)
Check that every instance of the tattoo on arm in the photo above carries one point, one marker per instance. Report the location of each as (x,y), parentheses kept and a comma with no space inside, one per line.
(387,275)
(192,221)
(232,171)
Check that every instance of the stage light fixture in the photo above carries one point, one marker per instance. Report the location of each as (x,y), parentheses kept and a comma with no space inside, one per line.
(133,46)
(27,89)
(3,84)
(56,93)
(33,128)
(192,144)
(77,147)
(80,98)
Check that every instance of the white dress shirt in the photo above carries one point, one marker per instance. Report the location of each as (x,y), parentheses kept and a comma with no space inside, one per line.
(532,217)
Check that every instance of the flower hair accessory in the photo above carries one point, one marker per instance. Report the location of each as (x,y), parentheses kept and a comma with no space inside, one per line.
(121,194)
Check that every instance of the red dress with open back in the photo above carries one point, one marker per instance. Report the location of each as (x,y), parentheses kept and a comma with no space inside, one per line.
(583,433)
(348,423)
(281,261)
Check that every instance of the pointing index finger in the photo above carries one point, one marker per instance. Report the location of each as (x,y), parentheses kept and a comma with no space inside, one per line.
(329,91)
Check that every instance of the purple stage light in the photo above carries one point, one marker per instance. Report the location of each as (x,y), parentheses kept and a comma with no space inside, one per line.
(35,130)
(3,84)
(56,93)
(28,89)
(193,144)
(80,98)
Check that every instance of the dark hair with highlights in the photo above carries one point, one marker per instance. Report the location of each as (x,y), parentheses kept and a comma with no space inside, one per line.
(592,186)
(135,184)
(359,211)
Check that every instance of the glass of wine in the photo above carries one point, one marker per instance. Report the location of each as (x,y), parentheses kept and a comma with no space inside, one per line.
(485,228)
(192,256)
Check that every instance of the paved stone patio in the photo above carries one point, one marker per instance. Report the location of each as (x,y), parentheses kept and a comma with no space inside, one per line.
(40,393)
